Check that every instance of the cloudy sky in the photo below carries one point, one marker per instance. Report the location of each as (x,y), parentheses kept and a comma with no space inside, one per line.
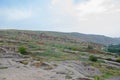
(84,16)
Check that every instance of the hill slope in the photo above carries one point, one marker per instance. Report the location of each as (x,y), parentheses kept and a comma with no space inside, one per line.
(58,56)
(97,38)
(58,36)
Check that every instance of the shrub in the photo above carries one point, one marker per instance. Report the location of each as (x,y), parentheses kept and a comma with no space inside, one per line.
(118,60)
(90,47)
(93,58)
(96,77)
(22,50)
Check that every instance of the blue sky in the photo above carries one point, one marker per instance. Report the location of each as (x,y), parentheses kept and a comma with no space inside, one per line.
(84,16)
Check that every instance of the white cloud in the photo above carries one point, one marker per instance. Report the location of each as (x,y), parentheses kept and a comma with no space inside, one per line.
(85,16)
(67,7)
(92,6)
(62,7)
(98,6)
(15,13)
(91,16)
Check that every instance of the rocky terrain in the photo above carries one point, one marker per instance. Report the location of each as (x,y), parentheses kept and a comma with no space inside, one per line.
(12,69)
(30,55)
(16,67)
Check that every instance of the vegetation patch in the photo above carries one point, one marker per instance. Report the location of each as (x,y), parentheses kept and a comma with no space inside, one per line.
(114,49)
(68,77)
(118,60)
(3,67)
(107,72)
(93,58)
(22,50)
(97,77)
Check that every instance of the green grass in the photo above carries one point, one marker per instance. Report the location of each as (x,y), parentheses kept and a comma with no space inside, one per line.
(3,67)
(107,75)
(68,77)
(107,72)
(97,77)
(57,54)
(118,60)
(103,76)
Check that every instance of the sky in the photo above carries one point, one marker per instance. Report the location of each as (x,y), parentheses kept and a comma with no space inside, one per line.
(83,16)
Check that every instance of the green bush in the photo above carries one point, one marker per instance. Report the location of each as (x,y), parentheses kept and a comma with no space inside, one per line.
(22,50)
(118,60)
(93,58)
(90,47)
(97,78)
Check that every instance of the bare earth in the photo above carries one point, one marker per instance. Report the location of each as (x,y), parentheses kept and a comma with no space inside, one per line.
(13,69)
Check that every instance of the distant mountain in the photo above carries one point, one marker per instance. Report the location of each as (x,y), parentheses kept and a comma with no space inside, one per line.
(57,36)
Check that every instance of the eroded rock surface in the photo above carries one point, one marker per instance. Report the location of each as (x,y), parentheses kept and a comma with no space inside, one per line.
(14,68)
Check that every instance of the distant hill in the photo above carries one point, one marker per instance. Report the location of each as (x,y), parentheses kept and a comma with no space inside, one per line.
(101,39)
(57,36)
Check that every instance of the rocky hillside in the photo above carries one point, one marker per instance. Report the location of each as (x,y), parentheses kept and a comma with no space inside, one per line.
(96,38)
(43,55)
(57,36)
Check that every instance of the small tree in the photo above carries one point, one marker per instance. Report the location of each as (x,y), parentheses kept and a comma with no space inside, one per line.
(22,50)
